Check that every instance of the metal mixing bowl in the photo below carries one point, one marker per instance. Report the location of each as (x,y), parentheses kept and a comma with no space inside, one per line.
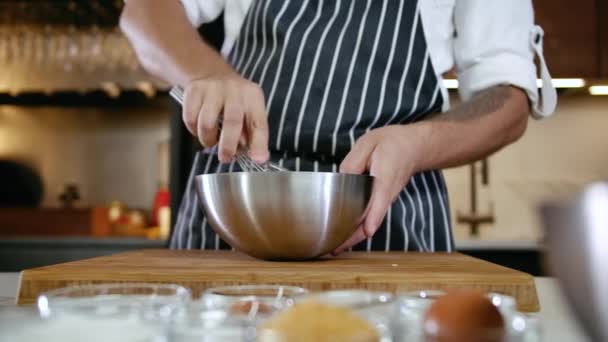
(284,215)
(577,238)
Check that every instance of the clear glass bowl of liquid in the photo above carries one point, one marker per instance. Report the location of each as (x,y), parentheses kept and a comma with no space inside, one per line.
(126,312)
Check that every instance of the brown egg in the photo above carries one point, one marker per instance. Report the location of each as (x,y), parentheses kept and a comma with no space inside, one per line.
(463,316)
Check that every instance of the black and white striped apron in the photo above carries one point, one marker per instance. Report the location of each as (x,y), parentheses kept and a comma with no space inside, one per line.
(331,70)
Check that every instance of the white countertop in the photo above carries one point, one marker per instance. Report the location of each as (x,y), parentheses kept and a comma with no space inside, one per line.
(8,288)
(556,318)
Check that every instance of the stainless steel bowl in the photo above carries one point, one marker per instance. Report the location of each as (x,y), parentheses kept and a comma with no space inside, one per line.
(284,215)
(577,251)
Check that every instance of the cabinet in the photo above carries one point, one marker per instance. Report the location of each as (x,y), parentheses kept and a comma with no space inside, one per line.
(572,36)
(603,38)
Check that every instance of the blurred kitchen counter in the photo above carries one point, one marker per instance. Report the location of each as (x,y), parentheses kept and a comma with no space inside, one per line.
(557,320)
(522,255)
(17,254)
(483,244)
(8,288)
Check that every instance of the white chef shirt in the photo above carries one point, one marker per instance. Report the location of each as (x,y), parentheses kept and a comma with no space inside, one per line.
(489,42)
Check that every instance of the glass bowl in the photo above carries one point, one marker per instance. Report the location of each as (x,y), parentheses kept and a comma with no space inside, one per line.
(125,312)
(407,321)
(268,335)
(198,323)
(375,307)
(252,299)
(113,299)
(22,324)
(26,325)
(362,301)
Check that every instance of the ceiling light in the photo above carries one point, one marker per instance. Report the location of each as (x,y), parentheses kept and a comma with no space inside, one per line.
(564,83)
(450,84)
(557,83)
(598,90)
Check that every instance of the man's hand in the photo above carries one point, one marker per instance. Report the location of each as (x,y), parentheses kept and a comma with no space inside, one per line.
(240,106)
(213,90)
(391,155)
(473,130)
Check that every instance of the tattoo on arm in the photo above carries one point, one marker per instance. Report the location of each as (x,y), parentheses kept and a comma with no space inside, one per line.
(491,119)
(483,103)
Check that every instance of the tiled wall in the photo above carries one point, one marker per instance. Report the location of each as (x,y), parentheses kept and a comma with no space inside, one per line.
(556,158)
(111,154)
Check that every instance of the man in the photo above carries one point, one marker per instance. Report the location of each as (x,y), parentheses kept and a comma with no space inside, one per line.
(349,85)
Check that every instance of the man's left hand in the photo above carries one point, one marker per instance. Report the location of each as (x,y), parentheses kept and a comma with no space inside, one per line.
(391,155)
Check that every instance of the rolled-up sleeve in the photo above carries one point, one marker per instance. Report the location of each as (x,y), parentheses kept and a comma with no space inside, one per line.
(203,11)
(495,44)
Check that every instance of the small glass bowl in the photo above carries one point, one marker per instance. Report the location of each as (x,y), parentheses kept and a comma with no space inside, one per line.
(20,324)
(486,335)
(504,303)
(107,312)
(517,328)
(354,299)
(268,335)
(420,299)
(197,323)
(251,299)
(410,308)
(424,298)
(26,325)
(376,307)
(111,299)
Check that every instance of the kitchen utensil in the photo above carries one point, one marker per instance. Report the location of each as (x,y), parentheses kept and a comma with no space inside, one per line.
(26,325)
(197,323)
(284,215)
(252,301)
(424,298)
(374,306)
(198,270)
(113,299)
(354,299)
(242,157)
(408,317)
(576,233)
(273,295)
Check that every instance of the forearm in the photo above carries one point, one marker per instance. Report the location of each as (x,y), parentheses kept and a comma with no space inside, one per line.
(166,44)
(475,129)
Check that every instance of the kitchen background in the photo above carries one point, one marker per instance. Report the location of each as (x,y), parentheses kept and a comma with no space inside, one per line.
(107,144)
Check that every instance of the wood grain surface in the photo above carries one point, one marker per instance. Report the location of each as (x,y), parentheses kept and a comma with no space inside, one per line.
(198,270)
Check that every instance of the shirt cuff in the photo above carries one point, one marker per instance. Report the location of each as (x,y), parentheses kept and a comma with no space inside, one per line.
(502,69)
(201,12)
(509,68)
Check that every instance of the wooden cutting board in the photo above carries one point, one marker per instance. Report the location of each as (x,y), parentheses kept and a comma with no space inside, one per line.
(198,270)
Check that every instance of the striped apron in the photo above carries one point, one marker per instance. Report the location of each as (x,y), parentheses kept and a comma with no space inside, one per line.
(332,70)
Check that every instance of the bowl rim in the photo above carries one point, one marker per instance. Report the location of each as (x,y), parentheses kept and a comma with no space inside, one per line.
(59,299)
(64,292)
(283,290)
(285,173)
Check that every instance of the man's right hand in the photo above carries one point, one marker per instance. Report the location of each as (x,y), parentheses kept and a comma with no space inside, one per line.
(213,90)
(240,106)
